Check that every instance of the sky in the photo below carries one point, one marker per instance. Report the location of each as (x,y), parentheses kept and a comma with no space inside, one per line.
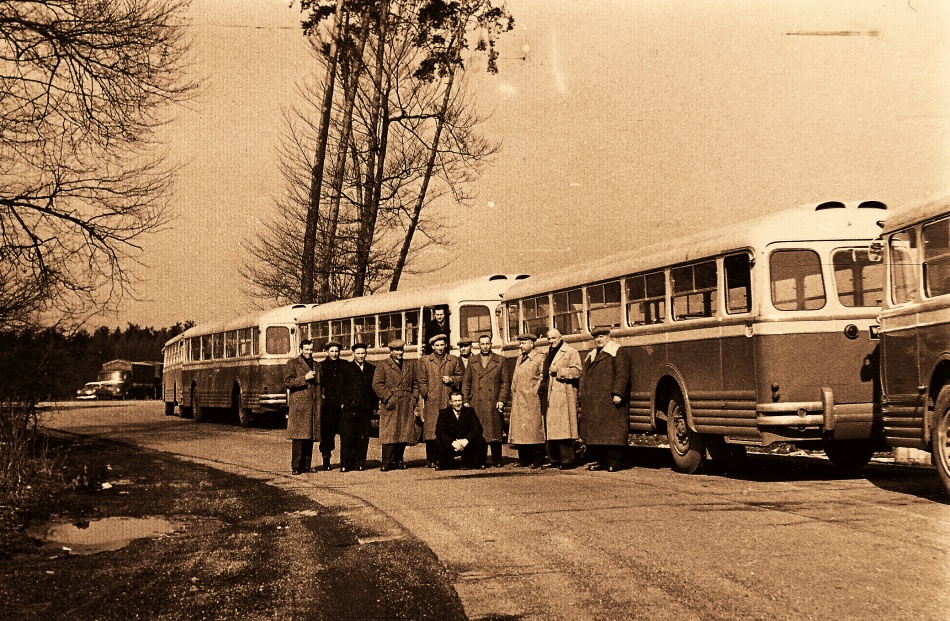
(622,123)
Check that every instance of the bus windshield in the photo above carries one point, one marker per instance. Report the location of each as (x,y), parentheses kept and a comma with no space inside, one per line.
(277,340)
(859,281)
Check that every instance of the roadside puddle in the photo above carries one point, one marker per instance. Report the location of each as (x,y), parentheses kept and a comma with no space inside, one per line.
(100,535)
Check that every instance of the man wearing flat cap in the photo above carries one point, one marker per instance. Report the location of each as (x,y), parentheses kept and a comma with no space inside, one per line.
(439,374)
(395,383)
(331,379)
(437,324)
(526,430)
(603,395)
(465,353)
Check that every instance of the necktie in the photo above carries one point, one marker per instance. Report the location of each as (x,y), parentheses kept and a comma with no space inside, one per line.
(524,358)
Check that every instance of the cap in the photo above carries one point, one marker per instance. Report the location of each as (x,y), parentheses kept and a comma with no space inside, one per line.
(358,345)
(527,336)
(599,330)
(333,344)
(438,337)
(396,344)
(464,343)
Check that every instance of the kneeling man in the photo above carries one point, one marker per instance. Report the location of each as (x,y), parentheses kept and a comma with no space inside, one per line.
(459,432)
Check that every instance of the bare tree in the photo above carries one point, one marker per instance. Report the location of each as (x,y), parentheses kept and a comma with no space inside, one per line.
(83,85)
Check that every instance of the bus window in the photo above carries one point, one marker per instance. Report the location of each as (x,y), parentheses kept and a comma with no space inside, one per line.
(340,330)
(206,347)
(936,238)
(364,331)
(194,347)
(513,324)
(536,315)
(903,266)
(646,299)
(473,322)
(230,344)
(603,303)
(694,291)
(319,334)
(244,342)
(255,341)
(569,311)
(412,328)
(796,280)
(738,269)
(278,340)
(859,281)
(390,327)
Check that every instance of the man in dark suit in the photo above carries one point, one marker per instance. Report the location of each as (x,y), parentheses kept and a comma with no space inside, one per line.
(459,433)
(359,403)
(331,380)
(438,324)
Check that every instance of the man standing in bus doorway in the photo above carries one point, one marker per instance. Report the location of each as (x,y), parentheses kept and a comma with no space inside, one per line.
(302,378)
(562,368)
(526,430)
(438,324)
(359,403)
(465,353)
(603,394)
(394,382)
(439,374)
(486,388)
(331,371)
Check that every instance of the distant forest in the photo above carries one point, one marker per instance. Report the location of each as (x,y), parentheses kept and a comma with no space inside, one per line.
(48,363)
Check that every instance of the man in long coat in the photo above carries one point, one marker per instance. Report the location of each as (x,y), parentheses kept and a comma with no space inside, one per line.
(562,366)
(459,433)
(394,382)
(486,388)
(603,394)
(331,382)
(526,429)
(302,378)
(359,403)
(439,374)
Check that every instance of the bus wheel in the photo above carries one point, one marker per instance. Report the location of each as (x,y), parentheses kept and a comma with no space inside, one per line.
(849,455)
(940,436)
(687,447)
(245,416)
(197,412)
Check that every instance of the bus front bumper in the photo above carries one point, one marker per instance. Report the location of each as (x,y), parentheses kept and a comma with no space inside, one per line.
(843,421)
(273,401)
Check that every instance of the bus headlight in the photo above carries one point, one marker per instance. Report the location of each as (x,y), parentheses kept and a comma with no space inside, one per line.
(851,331)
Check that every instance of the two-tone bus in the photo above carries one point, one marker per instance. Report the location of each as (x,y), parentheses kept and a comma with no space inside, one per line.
(236,365)
(915,330)
(375,320)
(753,334)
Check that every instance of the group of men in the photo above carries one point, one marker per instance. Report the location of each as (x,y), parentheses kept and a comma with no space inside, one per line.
(463,400)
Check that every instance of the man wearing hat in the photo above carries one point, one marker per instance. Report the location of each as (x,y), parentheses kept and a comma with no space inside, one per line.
(359,403)
(437,324)
(526,430)
(465,352)
(439,374)
(603,395)
(331,379)
(302,378)
(394,382)
(486,387)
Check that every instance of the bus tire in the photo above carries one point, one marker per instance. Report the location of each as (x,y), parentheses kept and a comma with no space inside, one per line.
(197,411)
(849,455)
(687,447)
(940,436)
(244,414)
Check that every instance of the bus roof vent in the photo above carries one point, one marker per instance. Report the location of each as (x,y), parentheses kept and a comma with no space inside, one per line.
(830,205)
(497,277)
(299,306)
(522,276)
(872,205)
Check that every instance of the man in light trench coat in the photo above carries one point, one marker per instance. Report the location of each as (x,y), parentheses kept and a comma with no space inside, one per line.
(302,378)
(526,429)
(562,365)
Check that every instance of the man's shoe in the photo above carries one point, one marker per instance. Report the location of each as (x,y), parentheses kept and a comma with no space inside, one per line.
(612,468)
(566,467)
(295,472)
(361,468)
(594,467)
(326,463)
(343,469)
(386,468)
(551,464)
(402,465)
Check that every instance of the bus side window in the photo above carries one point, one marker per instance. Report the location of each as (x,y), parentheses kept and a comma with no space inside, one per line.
(364,331)
(603,303)
(513,320)
(412,328)
(646,299)
(738,269)
(568,311)
(936,238)
(537,313)
(390,327)
(694,291)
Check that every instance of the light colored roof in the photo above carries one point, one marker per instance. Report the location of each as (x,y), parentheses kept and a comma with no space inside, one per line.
(282,314)
(804,223)
(917,211)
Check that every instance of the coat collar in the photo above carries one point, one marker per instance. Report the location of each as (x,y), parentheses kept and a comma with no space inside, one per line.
(611,349)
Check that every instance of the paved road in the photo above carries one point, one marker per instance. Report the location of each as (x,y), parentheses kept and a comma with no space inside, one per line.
(776,538)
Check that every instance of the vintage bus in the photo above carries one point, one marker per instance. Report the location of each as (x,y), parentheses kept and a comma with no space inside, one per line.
(235,365)
(915,330)
(172,354)
(376,319)
(749,335)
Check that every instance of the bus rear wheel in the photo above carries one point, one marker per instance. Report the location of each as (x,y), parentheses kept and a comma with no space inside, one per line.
(940,436)
(687,446)
(244,414)
(849,455)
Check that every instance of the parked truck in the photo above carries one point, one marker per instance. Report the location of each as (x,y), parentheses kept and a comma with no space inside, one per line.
(122,379)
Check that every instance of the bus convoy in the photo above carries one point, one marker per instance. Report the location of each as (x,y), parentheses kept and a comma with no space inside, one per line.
(788,329)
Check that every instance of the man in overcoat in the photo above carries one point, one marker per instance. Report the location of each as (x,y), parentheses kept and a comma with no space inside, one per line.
(465,353)
(302,378)
(439,374)
(437,324)
(459,433)
(486,388)
(395,383)
(359,403)
(526,429)
(562,368)
(604,392)
(331,382)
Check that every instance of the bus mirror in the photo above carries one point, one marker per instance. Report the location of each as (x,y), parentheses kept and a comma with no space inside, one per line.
(876,251)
